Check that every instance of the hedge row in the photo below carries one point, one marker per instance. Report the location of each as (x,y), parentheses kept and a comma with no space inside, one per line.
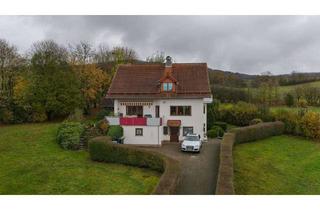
(103,150)
(240,135)
(258,131)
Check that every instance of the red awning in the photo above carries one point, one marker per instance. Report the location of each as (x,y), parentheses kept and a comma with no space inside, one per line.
(174,123)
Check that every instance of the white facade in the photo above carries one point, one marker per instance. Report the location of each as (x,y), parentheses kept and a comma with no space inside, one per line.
(153,134)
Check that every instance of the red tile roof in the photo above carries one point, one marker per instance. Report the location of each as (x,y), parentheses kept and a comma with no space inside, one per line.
(143,81)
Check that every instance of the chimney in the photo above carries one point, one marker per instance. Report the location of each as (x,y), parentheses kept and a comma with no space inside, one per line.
(168,67)
(168,61)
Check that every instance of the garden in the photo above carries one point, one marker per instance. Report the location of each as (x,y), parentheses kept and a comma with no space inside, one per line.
(33,163)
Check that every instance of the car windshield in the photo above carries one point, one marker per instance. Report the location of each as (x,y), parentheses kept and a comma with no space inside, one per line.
(191,138)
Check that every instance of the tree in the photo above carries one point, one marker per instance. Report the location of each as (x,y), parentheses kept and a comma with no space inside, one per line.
(103,54)
(93,83)
(55,88)
(10,62)
(82,53)
(158,57)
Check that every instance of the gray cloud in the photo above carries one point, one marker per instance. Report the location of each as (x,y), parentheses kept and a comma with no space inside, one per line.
(249,44)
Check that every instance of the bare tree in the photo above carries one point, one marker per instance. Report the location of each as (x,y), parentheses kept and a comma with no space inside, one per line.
(103,54)
(82,53)
(158,57)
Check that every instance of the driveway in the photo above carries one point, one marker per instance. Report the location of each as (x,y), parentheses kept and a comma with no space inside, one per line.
(199,170)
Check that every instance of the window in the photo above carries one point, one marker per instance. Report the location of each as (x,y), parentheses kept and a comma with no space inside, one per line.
(187,130)
(135,110)
(180,110)
(165,130)
(204,127)
(204,109)
(139,132)
(157,111)
(167,86)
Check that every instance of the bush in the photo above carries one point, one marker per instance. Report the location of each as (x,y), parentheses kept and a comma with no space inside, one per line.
(258,131)
(302,103)
(69,134)
(290,119)
(215,131)
(310,124)
(115,131)
(225,173)
(102,114)
(6,116)
(103,126)
(76,116)
(38,116)
(255,121)
(222,125)
(289,99)
(239,114)
(101,149)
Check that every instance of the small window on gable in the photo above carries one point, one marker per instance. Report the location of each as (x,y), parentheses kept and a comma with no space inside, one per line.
(167,86)
(139,132)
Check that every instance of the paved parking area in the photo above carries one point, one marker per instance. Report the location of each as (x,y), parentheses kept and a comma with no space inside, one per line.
(199,170)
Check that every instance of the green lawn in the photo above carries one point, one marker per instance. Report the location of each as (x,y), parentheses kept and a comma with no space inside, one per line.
(277,165)
(32,163)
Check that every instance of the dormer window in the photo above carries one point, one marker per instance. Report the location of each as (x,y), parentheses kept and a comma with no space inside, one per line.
(167,86)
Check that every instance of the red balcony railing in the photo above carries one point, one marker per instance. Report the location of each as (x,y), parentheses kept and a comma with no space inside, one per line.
(133,121)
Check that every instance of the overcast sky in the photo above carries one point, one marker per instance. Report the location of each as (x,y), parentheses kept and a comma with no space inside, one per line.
(247,44)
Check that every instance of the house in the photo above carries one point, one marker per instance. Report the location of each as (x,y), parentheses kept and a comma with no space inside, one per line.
(160,102)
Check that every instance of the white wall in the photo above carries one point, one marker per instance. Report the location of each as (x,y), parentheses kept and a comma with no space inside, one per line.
(196,120)
(150,135)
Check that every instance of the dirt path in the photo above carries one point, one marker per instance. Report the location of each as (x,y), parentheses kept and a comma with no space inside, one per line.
(199,171)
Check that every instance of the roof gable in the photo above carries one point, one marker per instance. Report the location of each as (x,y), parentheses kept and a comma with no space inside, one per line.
(144,79)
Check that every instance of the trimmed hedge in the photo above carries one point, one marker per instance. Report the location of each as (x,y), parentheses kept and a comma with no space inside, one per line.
(115,131)
(258,131)
(240,135)
(103,150)
(222,125)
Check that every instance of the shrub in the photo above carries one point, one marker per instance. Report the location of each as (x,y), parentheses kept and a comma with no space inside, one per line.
(258,131)
(39,116)
(291,121)
(69,134)
(310,124)
(239,114)
(115,131)
(102,114)
(302,103)
(222,125)
(215,131)
(255,121)
(101,149)
(225,173)
(76,116)
(289,99)
(103,126)
(6,116)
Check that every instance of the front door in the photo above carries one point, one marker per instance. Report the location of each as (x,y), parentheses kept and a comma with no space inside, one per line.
(174,134)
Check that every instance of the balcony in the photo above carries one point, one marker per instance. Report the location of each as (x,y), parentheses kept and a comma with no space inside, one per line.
(134,121)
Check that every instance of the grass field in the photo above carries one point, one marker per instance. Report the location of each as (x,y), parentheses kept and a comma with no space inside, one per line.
(277,165)
(32,163)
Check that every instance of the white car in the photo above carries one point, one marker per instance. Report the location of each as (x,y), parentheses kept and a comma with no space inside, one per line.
(191,143)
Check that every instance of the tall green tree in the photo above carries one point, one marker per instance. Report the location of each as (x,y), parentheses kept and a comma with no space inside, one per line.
(55,90)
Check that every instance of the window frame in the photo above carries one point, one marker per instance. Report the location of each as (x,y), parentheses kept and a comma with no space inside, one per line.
(165,130)
(130,112)
(138,129)
(184,111)
(186,127)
